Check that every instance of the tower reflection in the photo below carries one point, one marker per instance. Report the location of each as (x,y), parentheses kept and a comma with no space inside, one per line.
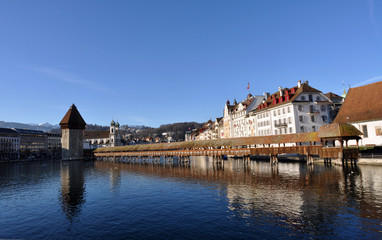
(72,188)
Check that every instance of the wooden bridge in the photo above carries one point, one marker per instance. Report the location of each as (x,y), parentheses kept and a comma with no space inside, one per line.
(321,144)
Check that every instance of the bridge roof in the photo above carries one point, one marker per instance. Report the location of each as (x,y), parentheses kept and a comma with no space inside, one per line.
(275,139)
(339,131)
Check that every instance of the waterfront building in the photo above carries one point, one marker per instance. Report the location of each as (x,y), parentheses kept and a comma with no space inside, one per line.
(292,110)
(236,120)
(53,145)
(9,144)
(187,136)
(205,132)
(227,119)
(337,102)
(363,109)
(33,143)
(72,126)
(108,138)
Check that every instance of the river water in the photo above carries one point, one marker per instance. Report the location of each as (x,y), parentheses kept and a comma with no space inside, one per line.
(199,200)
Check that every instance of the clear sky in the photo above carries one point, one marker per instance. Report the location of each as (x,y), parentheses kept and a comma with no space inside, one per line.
(157,62)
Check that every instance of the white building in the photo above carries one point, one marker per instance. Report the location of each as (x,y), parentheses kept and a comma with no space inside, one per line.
(292,110)
(236,120)
(363,109)
(96,139)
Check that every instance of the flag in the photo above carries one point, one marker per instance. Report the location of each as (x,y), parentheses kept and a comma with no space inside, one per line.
(248,86)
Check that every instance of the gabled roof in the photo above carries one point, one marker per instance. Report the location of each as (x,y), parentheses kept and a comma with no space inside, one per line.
(73,119)
(362,104)
(334,97)
(96,134)
(293,93)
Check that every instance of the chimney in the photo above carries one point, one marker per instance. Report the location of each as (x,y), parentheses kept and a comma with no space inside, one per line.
(266,95)
(281,91)
(307,83)
(299,83)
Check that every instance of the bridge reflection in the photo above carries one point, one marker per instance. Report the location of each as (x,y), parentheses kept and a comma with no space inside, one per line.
(290,190)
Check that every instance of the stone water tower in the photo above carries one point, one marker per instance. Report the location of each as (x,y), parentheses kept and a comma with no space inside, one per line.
(72,127)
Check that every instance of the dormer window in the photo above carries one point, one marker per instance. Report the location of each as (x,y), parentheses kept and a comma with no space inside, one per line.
(303,98)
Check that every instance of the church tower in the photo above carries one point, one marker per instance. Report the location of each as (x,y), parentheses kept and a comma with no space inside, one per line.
(112,133)
(72,127)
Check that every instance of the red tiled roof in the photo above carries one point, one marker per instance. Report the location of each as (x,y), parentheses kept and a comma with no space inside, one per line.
(362,104)
(305,88)
(73,119)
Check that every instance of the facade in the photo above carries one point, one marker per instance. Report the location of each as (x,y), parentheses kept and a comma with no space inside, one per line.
(292,110)
(289,110)
(9,144)
(72,127)
(206,132)
(25,143)
(363,109)
(236,121)
(96,139)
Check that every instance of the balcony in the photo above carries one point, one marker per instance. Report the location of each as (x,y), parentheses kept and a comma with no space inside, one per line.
(281,125)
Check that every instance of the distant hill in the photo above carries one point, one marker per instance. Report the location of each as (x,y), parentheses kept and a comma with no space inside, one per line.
(46,127)
(178,130)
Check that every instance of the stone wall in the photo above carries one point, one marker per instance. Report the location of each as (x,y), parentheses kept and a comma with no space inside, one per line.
(72,145)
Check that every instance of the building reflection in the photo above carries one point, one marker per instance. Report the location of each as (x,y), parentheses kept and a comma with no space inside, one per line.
(72,188)
(296,194)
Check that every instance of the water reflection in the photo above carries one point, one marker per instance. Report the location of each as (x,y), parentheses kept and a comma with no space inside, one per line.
(304,198)
(72,188)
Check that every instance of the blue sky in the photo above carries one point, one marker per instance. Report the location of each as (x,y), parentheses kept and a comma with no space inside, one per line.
(158,62)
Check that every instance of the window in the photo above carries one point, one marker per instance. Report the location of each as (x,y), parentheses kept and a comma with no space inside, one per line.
(288,109)
(323,108)
(324,119)
(313,118)
(311,109)
(318,98)
(275,131)
(274,113)
(378,130)
(283,110)
(303,98)
(278,111)
(314,129)
(290,130)
(275,122)
(310,98)
(364,130)
(300,108)
(301,118)
(290,120)
(302,128)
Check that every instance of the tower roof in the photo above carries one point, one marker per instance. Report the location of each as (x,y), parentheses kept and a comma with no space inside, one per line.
(72,119)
